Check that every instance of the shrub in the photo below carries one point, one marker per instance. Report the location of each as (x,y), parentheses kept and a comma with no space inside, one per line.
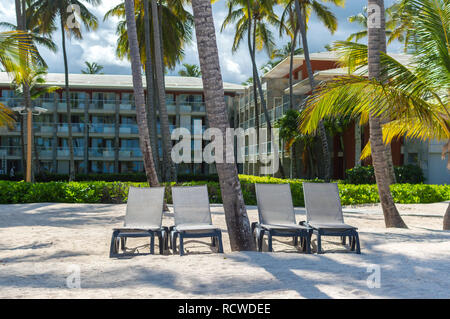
(408,174)
(117,192)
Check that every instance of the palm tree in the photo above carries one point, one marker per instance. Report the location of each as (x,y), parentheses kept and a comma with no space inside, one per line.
(14,47)
(253,18)
(411,97)
(92,68)
(235,212)
(46,13)
(167,50)
(168,164)
(190,70)
(301,10)
(139,96)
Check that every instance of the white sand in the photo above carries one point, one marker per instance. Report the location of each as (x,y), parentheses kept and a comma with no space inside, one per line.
(41,243)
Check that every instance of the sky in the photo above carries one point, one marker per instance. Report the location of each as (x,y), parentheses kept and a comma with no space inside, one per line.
(99,45)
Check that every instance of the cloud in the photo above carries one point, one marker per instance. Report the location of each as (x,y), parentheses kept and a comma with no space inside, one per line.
(99,46)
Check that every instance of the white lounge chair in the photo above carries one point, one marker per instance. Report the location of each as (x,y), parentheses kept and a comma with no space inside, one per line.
(143,219)
(324,214)
(193,217)
(277,216)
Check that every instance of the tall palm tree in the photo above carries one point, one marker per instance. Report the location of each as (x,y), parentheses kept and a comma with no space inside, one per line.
(252,19)
(361,19)
(92,68)
(190,70)
(167,50)
(47,12)
(151,90)
(301,10)
(413,97)
(168,164)
(139,96)
(235,212)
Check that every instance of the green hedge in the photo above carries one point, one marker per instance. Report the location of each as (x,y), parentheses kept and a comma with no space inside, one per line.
(408,174)
(117,192)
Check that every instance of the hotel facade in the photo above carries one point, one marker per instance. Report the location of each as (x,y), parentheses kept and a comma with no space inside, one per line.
(346,146)
(104,130)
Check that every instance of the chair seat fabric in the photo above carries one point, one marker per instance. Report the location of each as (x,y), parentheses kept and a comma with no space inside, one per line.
(283,227)
(195,228)
(138,228)
(331,226)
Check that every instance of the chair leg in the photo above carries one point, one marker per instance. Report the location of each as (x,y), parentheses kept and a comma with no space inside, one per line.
(269,242)
(152,243)
(344,240)
(181,245)
(319,243)
(173,241)
(161,241)
(219,238)
(358,247)
(213,241)
(352,241)
(295,240)
(307,242)
(123,242)
(113,248)
(260,240)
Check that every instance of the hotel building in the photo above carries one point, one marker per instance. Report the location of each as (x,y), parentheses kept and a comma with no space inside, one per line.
(105,133)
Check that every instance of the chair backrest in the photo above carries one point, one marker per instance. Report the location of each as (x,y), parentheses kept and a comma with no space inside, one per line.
(275,204)
(191,205)
(144,206)
(323,204)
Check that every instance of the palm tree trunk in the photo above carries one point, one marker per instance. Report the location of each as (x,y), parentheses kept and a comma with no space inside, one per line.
(322,132)
(233,202)
(69,112)
(391,215)
(151,107)
(263,100)
(163,117)
(252,51)
(291,70)
(141,116)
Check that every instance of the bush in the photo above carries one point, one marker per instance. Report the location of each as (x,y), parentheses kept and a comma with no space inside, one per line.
(408,174)
(117,192)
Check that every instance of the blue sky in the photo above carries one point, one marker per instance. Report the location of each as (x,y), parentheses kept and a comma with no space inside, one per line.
(99,46)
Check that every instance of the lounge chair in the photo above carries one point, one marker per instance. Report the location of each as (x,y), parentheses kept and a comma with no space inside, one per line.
(143,219)
(193,217)
(324,214)
(277,217)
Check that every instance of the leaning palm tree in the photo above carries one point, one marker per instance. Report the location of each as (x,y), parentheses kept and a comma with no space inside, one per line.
(190,70)
(414,98)
(141,115)
(48,13)
(301,9)
(235,212)
(92,68)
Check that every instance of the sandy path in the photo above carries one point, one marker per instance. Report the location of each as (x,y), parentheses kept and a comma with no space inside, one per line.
(41,245)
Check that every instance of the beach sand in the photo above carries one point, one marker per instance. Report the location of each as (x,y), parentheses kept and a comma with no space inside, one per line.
(45,248)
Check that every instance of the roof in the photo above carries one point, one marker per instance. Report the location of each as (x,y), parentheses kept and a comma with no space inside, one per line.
(115,81)
(282,69)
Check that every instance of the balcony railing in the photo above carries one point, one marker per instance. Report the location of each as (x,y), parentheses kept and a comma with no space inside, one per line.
(15,151)
(102,128)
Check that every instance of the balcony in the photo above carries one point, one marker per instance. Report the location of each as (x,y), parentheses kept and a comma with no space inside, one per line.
(103,152)
(128,129)
(126,152)
(65,152)
(11,151)
(76,128)
(103,105)
(102,129)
